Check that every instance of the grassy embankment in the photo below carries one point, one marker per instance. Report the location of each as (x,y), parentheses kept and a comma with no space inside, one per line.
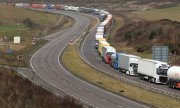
(77,66)
(72,60)
(16,92)
(31,24)
(149,15)
(157,14)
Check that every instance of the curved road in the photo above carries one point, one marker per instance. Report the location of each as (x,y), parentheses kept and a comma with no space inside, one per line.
(91,56)
(46,64)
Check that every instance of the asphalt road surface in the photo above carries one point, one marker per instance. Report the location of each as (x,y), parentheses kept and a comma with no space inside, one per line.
(46,65)
(91,56)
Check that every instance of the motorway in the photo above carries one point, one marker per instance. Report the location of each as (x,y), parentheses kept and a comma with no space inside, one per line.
(45,63)
(91,56)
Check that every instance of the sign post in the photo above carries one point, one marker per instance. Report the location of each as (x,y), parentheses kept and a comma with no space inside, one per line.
(161,53)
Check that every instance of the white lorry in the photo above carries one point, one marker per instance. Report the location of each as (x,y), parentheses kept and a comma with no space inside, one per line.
(72,8)
(98,37)
(107,51)
(128,63)
(153,70)
(100,29)
(174,77)
(100,46)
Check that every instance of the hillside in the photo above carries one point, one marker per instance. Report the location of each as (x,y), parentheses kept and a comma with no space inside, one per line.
(28,25)
(16,92)
(12,16)
(144,29)
(110,5)
(157,14)
(143,35)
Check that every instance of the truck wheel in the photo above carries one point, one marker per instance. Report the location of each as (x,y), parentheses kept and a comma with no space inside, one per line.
(149,80)
(154,80)
(173,86)
(111,64)
(169,85)
(127,72)
(141,77)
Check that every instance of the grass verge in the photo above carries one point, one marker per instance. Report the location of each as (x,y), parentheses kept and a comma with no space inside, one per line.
(79,68)
(16,92)
(157,14)
(31,24)
(153,14)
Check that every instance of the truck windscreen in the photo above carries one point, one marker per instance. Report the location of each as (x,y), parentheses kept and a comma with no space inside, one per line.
(162,72)
(110,53)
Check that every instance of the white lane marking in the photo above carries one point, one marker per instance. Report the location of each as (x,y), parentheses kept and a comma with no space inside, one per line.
(80,89)
(93,85)
(61,66)
(91,94)
(120,106)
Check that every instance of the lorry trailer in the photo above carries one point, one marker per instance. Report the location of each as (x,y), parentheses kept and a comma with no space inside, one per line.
(153,70)
(128,64)
(174,77)
(100,46)
(72,8)
(107,51)
(125,63)
(99,38)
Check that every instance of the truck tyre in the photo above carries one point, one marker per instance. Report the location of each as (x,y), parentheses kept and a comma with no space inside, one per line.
(173,86)
(169,85)
(141,77)
(127,73)
(154,80)
(111,64)
(149,79)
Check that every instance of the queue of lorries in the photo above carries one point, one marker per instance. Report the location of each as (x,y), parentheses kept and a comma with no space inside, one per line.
(152,70)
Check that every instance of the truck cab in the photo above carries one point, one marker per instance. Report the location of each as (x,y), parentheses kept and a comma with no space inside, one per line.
(153,70)
(161,72)
(99,38)
(125,63)
(107,51)
(114,62)
(102,17)
(133,66)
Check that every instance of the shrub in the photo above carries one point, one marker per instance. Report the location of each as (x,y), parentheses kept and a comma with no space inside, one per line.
(152,35)
(128,36)
(141,48)
(28,23)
